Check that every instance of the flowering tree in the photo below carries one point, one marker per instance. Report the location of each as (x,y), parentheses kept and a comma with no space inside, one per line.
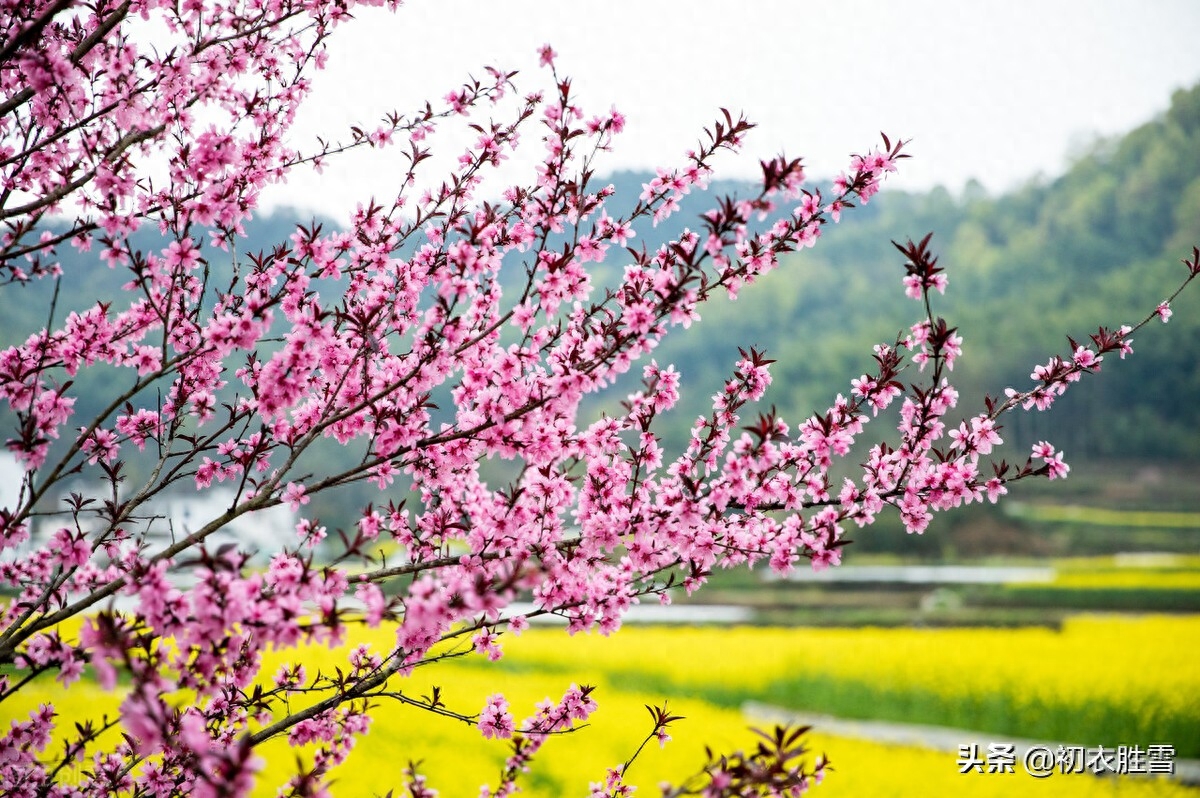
(233,369)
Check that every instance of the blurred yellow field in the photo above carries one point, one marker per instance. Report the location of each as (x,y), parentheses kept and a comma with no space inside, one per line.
(1115,677)
(458,760)
(1095,670)
(1060,669)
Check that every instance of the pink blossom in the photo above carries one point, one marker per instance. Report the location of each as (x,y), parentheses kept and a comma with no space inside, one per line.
(484,642)
(995,489)
(518,624)
(294,495)
(495,720)
(1086,358)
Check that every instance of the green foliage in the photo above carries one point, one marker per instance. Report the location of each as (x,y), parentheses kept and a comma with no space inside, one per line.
(1096,599)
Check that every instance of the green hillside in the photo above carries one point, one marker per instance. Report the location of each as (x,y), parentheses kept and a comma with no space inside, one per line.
(1098,245)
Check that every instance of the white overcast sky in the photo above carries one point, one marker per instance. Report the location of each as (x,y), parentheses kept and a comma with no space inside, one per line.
(996,90)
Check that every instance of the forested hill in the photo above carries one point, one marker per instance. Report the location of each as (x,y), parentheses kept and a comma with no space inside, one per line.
(1099,245)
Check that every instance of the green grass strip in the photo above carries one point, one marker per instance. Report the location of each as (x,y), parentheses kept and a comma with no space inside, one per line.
(1100,516)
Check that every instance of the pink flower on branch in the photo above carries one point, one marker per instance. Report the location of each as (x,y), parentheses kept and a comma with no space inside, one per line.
(294,495)
(495,720)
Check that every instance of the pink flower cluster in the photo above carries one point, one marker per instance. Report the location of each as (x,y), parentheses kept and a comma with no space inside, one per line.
(551,718)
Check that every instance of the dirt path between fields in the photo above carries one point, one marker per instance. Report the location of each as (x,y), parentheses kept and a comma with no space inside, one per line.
(940,738)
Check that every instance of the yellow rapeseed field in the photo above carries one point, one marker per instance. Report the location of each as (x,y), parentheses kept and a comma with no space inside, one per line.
(1142,666)
(1125,679)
